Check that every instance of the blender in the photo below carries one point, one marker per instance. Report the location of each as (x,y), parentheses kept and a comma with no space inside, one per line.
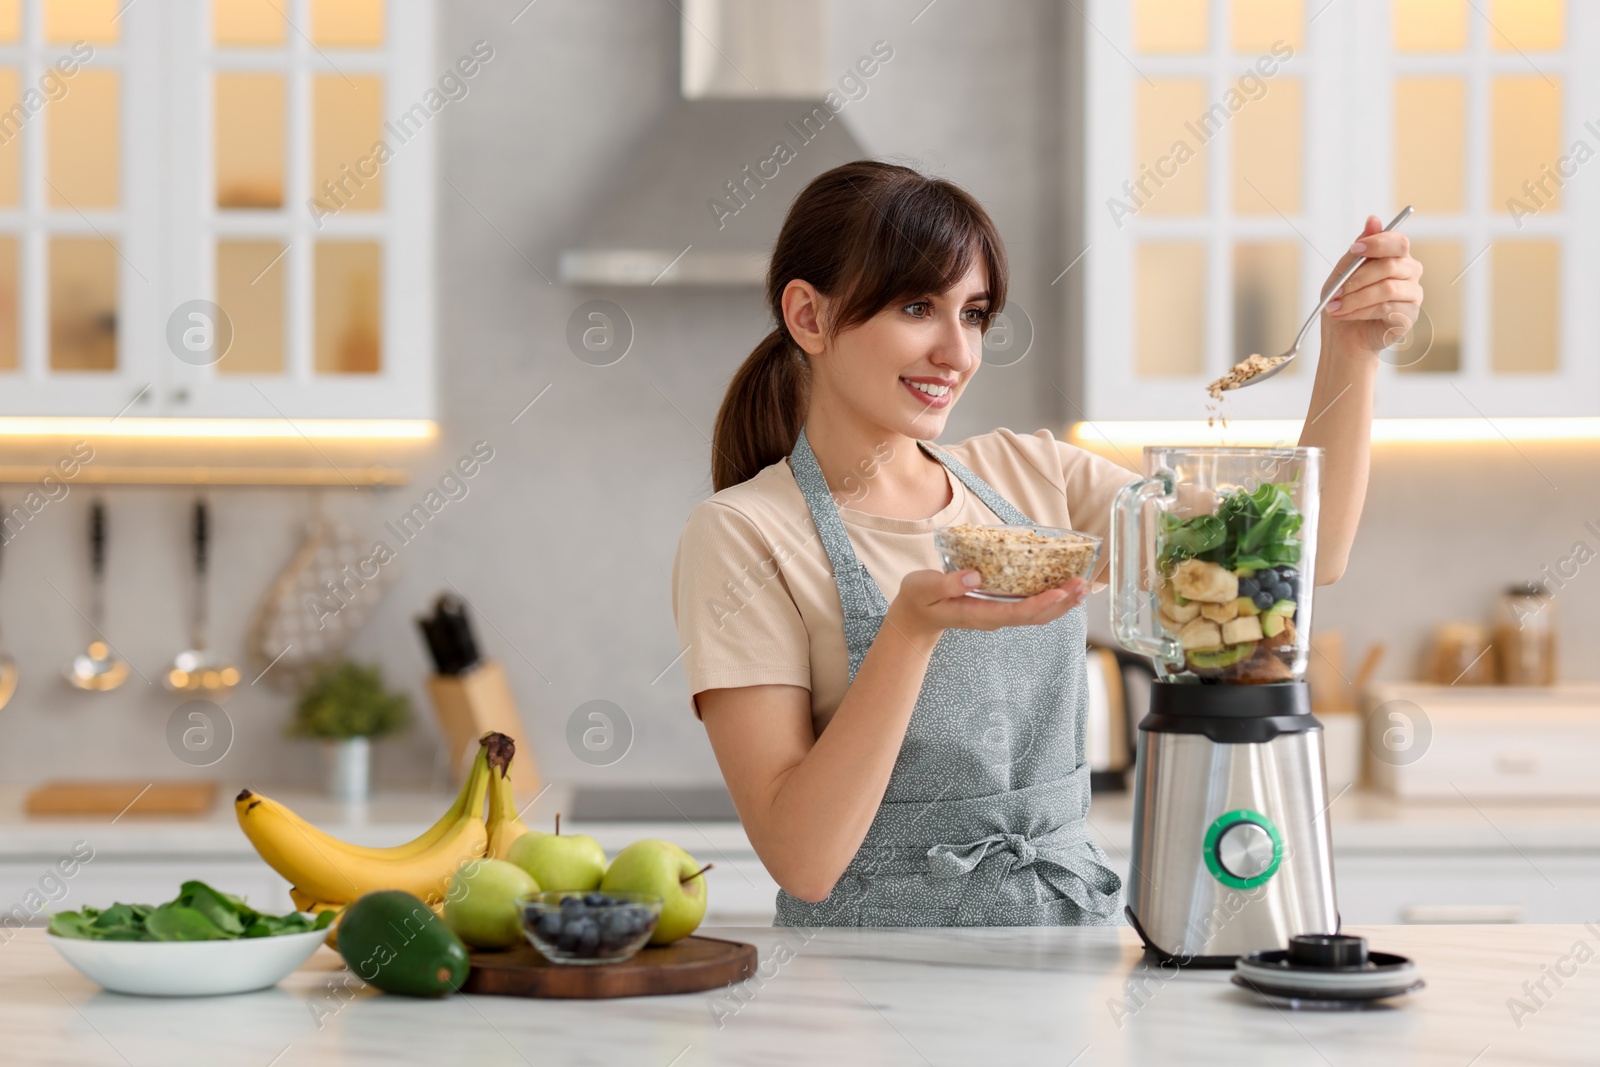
(1213,554)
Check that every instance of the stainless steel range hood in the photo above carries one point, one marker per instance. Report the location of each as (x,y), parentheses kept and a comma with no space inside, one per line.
(703,198)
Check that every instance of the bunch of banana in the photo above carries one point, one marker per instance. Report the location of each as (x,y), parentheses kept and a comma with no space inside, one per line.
(325,871)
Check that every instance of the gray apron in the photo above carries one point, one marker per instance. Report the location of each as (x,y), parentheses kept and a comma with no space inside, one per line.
(982,823)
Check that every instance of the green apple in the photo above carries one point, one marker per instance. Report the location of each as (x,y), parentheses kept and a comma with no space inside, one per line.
(560,861)
(662,869)
(480,904)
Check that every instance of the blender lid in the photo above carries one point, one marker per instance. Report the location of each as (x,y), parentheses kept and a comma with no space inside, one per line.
(1326,970)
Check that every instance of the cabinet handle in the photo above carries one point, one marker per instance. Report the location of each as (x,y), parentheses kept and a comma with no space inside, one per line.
(1418,914)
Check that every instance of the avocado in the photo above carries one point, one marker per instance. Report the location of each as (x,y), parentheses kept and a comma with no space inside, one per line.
(394,941)
(1222,657)
(1273,618)
(1248,606)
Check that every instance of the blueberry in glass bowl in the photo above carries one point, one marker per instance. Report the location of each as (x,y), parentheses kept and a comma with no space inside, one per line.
(572,927)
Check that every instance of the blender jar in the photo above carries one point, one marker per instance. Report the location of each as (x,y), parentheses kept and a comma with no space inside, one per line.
(1212,559)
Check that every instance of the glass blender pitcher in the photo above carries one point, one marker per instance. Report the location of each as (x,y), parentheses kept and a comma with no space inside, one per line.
(1212,561)
(1212,557)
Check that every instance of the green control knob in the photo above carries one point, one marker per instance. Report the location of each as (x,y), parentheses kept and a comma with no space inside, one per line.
(1243,849)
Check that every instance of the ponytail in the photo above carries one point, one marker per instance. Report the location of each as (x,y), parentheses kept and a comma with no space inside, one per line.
(762,413)
(866,235)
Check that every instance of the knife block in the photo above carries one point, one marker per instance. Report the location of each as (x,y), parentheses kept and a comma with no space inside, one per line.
(470,705)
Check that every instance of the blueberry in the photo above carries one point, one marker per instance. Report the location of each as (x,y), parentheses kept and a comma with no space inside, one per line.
(1266,577)
(588,935)
(1283,591)
(1249,587)
(570,904)
(549,925)
(593,900)
(1263,599)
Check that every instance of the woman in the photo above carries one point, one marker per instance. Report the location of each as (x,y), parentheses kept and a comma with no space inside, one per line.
(901,754)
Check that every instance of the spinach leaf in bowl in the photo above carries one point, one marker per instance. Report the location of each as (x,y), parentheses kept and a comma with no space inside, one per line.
(198,913)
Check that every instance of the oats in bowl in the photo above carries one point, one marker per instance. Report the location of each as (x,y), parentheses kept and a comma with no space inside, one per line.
(1017,561)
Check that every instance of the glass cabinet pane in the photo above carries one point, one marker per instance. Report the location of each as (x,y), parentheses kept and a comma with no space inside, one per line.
(347,120)
(250,284)
(83,147)
(1526,25)
(258,23)
(94,21)
(10,142)
(8,304)
(1523,308)
(349,307)
(1170,294)
(1266,291)
(83,304)
(1434,346)
(250,140)
(1267,151)
(1430,138)
(1430,25)
(1524,140)
(1169,166)
(347,23)
(1259,24)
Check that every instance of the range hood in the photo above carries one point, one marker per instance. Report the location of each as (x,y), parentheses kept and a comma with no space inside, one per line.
(704,196)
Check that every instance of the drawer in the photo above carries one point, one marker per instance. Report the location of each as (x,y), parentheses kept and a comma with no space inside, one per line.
(1450,888)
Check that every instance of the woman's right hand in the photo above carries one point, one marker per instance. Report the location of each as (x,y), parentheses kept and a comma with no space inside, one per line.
(932,601)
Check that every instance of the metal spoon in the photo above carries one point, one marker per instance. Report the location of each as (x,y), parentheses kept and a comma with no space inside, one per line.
(1294,350)
(97,668)
(8,671)
(196,670)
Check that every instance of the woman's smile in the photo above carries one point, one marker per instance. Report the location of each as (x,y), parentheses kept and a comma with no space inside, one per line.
(931,392)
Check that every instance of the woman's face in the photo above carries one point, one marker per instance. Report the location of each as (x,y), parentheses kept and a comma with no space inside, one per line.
(904,368)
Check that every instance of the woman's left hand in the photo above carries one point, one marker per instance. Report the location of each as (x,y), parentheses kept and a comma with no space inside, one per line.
(1377,307)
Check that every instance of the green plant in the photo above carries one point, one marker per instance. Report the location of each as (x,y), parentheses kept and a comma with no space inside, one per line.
(347,699)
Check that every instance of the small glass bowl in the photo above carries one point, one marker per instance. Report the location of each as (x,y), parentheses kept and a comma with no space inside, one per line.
(1015,567)
(572,927)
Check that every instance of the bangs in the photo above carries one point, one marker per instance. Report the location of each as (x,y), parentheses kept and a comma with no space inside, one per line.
(921,238)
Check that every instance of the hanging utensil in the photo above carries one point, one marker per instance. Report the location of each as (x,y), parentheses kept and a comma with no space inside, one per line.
(8,666)
(97,668)
(317,603)
(196,669)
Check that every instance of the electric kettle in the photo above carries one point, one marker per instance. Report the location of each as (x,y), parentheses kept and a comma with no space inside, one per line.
(1212,561)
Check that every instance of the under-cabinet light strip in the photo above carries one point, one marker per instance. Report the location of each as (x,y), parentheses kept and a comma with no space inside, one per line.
(320,429)
(1287,431)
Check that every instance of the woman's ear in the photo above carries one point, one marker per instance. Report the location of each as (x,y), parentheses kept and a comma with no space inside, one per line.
(803,313)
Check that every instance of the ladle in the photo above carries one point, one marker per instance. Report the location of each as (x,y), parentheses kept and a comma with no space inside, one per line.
(97,668)
(196,669)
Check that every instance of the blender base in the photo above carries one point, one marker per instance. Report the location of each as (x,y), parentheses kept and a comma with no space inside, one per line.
(1162,956)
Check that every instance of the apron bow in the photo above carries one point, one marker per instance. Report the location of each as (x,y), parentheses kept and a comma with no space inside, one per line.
(953,861)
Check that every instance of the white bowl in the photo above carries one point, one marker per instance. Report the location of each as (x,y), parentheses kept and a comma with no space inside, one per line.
(189,968)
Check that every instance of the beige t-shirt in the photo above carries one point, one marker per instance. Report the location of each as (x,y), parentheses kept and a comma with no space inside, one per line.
(753,592)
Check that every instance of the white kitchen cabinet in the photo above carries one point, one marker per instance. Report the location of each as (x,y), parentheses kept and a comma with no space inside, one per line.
(243,170)
(1230,162)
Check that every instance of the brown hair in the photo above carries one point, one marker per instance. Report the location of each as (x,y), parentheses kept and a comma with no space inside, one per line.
(866,235)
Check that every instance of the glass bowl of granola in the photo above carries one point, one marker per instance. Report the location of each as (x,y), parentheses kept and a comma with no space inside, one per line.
(1017,561)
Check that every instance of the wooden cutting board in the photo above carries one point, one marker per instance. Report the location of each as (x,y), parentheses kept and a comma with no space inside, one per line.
(114,798)
(687,966)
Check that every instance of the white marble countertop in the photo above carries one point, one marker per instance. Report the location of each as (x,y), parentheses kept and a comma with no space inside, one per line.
(918,997)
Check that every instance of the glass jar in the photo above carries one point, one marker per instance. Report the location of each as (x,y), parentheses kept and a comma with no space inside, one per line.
(1525,636)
